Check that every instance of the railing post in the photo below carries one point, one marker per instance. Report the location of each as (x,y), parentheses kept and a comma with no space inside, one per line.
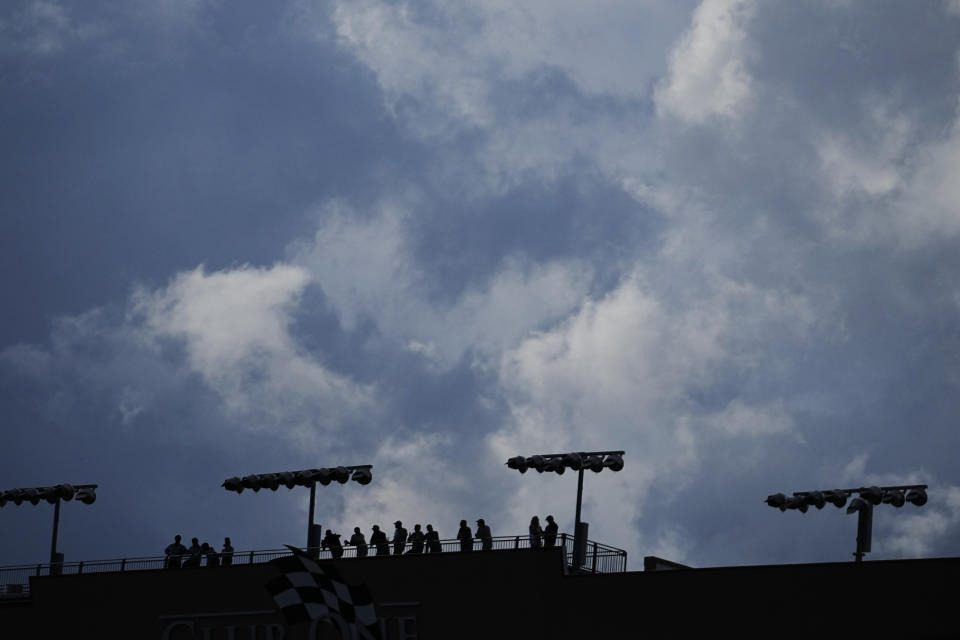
(38,569)
(123,565)
(516,542)
(594,557)
(80,568)
(251,557)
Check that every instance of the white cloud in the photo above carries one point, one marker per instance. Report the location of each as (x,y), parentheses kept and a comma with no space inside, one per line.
(887,183)
(367,270)
(930,207)
(868,166)
(235,326)
(619,373)
(452,53)
(420,479)
(448,69)
(918,534)
(909,531)
(708,67)
(739,419)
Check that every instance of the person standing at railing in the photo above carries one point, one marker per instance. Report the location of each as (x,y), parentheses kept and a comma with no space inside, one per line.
(194,555)
(465,536)
(550,533)
(432,539)
(399,538)
(226,554)
(379,540)
(332,541)
(416,540)
(213,558)
(174,552)
(484,535)
(359,542)
(536,533)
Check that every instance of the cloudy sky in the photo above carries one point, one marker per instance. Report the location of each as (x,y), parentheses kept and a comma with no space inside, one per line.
(245,237)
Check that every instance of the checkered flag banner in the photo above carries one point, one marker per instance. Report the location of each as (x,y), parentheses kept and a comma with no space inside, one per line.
(306,591)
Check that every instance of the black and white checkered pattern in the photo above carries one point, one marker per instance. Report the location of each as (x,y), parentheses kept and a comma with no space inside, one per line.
(306,591)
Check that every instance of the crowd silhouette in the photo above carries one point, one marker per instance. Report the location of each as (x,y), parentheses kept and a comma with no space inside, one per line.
(179,556)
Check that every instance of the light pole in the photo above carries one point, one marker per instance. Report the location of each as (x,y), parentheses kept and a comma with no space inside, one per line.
(596,461)
(361,474)
(915,494)
(85,493)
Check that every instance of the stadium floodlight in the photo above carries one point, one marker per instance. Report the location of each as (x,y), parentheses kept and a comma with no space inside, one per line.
(815,499)
(917,496)
(234,484)
(251,482)
(304,478)
(579,461)
(86,495)
(269,481)
(894,497)
(777,500)
(361,474)
(835,497)
(55,494)
(287,478)
(868,498)
(873,495)
(324,476)
(594,463)
(796,502)
(555,464)
(613,461)
(519,463)
(537,462)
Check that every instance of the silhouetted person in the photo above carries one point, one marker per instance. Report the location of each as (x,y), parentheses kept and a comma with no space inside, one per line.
(484,535)
(194,555)
(379,540)
(174,553)
(399,538)
(432,538)
(332,541)
(550,533)
(536,533)
(213,558)
(226,554)
(416,540)
(465,536)
(359,542)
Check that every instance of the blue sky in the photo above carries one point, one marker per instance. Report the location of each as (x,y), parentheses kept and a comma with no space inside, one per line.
(250,237)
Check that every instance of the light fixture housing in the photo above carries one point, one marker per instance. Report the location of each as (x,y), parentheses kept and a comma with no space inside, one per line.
(835,497)
(894,497)
(916,497)
(873,495)
(614,462)
(519,463)
(815,499)
(777,500)
(362,476)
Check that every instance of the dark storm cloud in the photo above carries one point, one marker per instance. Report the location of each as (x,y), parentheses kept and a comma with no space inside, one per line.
(721,237)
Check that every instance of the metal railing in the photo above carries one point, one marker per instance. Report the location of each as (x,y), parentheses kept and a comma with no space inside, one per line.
(600,558)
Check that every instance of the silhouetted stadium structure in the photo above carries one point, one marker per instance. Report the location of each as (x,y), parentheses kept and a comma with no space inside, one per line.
(511,590)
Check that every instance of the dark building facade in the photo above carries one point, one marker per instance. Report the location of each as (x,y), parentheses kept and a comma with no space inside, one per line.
(522,593)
